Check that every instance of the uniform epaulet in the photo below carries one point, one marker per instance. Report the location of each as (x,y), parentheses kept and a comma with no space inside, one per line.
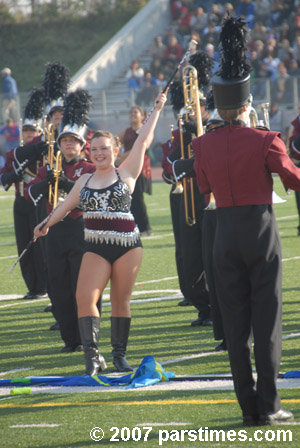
(262,128)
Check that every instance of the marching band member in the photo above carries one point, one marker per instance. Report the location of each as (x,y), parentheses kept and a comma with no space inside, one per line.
(190,236)
(295,154)
(235,162)
(113,250)
(184,168)
(20,167)
(64,243)
(177,101)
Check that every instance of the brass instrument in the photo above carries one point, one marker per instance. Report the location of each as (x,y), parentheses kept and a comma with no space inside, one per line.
(44,136)
(178,188)
(265,107)
(21,140)
(253,118)
(55,164)
(192,108)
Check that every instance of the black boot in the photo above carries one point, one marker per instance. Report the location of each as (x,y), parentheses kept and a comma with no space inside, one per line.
(89,331)
(120,327)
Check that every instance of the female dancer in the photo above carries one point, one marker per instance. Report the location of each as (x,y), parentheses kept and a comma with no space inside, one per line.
(113,250)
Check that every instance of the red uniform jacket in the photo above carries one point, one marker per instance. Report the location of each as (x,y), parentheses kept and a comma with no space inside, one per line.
(9,167)
(72,171)
(167,148)
(236,162)
(296,123)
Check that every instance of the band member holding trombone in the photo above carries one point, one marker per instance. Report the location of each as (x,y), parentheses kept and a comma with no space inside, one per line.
(20,168)
(64,243)
(192,203)
(235,162)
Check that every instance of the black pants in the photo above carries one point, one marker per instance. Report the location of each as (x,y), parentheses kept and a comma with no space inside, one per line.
(247,255)
(209,225)
(32,265)
(191,249)
(138,206)
(64,248)
(175,201)
(41,213)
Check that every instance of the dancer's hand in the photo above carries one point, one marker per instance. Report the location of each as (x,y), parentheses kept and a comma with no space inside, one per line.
(160,100)
(38,232)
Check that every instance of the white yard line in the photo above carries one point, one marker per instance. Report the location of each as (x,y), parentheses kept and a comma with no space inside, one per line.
(225,385)
(175,296)
(291,336)
(157,237)
(16,370)
(9,256)
(290,259)
(282,218)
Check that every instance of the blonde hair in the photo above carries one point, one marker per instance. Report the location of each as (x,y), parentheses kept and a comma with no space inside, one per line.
(230,114)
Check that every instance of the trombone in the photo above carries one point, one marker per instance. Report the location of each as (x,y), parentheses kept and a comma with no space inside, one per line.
(178,186)
(192,108)
(55,164)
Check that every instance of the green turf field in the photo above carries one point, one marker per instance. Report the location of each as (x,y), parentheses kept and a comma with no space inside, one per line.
(160,328)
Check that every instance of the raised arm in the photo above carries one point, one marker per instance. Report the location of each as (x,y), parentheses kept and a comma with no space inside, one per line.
(131,167)
(72,201)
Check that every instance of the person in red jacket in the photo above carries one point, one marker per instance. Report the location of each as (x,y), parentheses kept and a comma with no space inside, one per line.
(294,152)
(20,168)
(64,243)
(236,164)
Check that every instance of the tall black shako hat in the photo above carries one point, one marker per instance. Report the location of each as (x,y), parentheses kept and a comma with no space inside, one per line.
(203,64)
(176,96)
(56,83)
(33,112)
(231,84)
(75,117)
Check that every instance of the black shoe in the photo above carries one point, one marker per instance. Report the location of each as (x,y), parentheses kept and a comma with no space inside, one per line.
(221,347)
(197,322)
(48,309)
(298,230)
(185,302)
(250,420)
(207,322)
(78,348)
(71,348)
(54,326)
(275,418)
(30,296)
(201,322)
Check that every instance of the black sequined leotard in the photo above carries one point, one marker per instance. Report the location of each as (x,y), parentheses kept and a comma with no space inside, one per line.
(108,220)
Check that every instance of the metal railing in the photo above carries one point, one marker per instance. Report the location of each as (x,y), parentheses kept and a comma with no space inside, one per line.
(112,102)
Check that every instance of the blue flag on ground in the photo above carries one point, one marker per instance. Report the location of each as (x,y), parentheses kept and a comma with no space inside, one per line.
(149,372)
(292,374)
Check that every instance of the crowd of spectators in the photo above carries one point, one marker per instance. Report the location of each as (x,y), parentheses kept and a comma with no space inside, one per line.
(273,41)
